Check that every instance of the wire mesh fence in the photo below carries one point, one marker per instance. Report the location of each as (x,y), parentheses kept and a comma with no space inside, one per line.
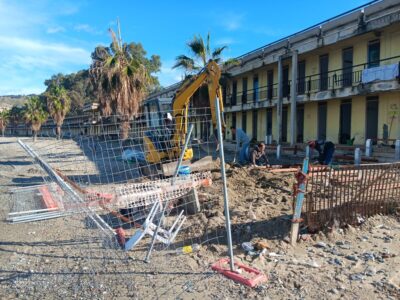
(348,194)
(99,178)
(123,178)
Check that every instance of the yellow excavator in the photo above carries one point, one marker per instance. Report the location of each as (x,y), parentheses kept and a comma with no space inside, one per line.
(155,151)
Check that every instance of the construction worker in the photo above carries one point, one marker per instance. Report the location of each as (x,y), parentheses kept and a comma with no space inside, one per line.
(258,156)
(242,144)
(325,150)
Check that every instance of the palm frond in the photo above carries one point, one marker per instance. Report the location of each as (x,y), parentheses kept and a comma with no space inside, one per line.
(208,44)
(217,52)
(198,48)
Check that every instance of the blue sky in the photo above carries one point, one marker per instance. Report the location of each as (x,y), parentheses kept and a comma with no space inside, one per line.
(41,38)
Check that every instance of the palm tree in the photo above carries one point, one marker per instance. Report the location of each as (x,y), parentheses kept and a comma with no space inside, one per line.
(200,55)
(121,80)
(4,118)
(34,114)
(58,105)
(16,115)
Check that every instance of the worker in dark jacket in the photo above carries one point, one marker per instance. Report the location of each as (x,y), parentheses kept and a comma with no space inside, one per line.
(325,149)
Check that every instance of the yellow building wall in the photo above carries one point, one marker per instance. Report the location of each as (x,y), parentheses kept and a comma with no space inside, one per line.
(239,120)
(333,114)
(389,113)
(249,126)
(261,124)
(358,119)
(310,121)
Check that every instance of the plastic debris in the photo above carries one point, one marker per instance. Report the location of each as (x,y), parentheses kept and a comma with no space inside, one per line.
(188,249)
(247,246)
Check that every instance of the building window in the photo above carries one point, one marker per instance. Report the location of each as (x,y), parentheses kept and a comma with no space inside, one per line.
(301,77)
(284,123)
(244,121)
(270,84)
(347,65)
(374,53)
(323,70)
(345,123)
(372,118)
(244,90)
(234,93)
(300,124)
(285,82)
(255,88)
(224,94)
(233,125)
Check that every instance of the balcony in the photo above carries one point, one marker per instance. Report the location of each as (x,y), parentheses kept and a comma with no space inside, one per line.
(340,83)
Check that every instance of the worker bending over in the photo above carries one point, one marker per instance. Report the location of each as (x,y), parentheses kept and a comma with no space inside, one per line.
(325,150)
(243,140)
(258,156)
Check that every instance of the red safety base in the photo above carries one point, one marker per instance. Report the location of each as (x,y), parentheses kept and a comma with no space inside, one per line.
(248,276)
(47,199)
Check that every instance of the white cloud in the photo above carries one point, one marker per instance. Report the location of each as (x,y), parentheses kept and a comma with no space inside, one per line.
(225,41)
(45,49)
(167,75)
(88,29)
(232,21)
(55,29)
(26,57)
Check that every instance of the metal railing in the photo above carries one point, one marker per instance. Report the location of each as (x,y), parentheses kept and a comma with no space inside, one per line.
(348,194)
(332,80)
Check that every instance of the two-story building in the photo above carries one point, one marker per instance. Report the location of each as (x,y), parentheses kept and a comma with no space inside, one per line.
(337,80)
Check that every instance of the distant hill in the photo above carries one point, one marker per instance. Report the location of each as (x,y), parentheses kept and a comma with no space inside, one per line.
(13,100)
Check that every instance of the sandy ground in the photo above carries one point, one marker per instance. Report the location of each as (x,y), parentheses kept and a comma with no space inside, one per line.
(69,258)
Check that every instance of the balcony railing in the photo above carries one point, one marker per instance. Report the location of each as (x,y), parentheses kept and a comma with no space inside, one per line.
(332,80)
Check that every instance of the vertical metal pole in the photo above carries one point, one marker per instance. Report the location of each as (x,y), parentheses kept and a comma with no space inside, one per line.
(368,148)
(278,152)
(307,151)
(293,99)
(225,188)
(357,156)
(280,99)
(397,150)
(153,238)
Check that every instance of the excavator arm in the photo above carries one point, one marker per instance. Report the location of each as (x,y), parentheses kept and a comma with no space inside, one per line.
(210,75)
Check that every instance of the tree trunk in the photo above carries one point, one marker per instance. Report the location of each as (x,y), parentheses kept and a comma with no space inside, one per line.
(124,131)
(58,132)
(34,136)
(3,131)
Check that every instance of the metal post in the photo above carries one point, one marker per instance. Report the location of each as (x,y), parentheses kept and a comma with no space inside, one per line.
(293,98)
(153,238)
(225,188)
(397,150)
(280,99)
(357,156)
(368,148)
(278,152)
(307,151)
